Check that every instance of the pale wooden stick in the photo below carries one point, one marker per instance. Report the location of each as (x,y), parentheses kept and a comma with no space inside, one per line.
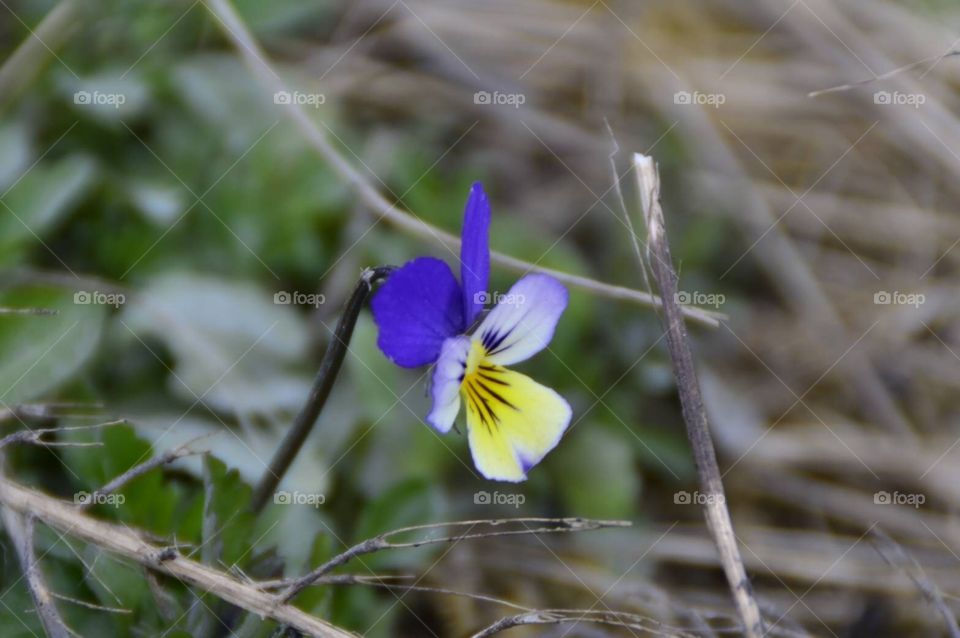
(20,530)
(125,542)
(691,401)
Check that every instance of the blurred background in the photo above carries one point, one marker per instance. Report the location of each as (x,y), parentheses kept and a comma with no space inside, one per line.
(186,250)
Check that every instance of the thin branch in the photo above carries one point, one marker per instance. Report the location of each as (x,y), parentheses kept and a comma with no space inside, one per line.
(883,76)
(41,312)
(139,470)
(20,530)
(46,410)
(691,401)
(915,572)
(238,33)
(127,543)
(326,376)
(382,542)
(575,616)
(89,605)
(35,437)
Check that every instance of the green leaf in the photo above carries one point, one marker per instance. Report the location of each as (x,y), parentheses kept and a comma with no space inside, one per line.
(232,343)
(596,475)
(146,501)
(39,352)
(39,200)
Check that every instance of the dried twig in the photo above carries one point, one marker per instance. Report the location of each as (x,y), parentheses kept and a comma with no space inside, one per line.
(237,32)
(883,76)
(691,401)
(126,542)
(139,470)
(915,572)
(381,542)
(45,410)
(35,437)
(574,616)
(20,530)
(326,376)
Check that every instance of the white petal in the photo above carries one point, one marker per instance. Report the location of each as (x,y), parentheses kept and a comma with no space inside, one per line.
(523,321)
(445,385)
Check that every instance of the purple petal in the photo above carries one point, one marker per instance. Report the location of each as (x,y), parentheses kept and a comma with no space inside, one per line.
(416,309)
(475,253)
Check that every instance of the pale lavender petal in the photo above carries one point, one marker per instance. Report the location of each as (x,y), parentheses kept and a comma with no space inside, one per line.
(445,383)
(523,321)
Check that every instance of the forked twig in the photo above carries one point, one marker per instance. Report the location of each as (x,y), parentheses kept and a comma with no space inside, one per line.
(883,76)
(139,470)
(691,401)
(573,616)
(35,437)
(382,542)
(129,543)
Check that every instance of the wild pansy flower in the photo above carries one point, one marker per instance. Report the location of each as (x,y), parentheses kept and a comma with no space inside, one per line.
(426,317)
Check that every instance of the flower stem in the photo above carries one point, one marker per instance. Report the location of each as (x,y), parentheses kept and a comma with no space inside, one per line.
(326,376)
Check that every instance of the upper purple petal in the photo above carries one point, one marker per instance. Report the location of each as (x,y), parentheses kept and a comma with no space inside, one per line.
(416,308)
(475,253)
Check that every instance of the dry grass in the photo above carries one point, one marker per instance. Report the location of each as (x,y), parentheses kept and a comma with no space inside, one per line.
(819,397)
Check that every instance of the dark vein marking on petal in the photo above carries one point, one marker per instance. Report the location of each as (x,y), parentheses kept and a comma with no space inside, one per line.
(495,396)
(493,379)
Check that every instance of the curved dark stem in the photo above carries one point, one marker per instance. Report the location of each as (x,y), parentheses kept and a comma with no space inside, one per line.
(326,376)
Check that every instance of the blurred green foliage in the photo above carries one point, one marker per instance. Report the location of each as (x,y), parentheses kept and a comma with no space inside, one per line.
(196,202)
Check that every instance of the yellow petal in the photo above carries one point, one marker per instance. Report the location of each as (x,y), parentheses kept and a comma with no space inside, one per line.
(512,421)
